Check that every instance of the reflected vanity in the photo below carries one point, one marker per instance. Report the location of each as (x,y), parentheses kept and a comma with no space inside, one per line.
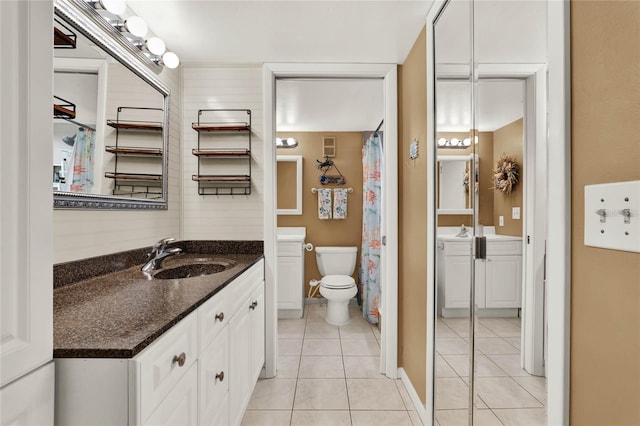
(110,113)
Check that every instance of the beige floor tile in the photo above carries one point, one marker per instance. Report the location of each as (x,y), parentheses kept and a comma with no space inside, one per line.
(415,418)
(266,418)
(289,347)
(482,331)
(292,321)
(536,386)
(376,332)
(360,347)
(316,314)
(443,369)
(290,331)
(442,330)
(484,366)
(514,341)
(404,394)
(321,418)
(321,367)
(510,364)
(362,367)
(321,394)
(523,417)
(461,328)
(321,347)
(451,394)
(381,418)
(503,327)
(318,331)
(273,394)
(371,394)
(356,330)
(495,345)
(452,345)
(287,367)
(461,418)
(504,392)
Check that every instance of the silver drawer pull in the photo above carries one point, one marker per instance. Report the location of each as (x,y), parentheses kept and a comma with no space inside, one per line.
(180,359)
(220,316)
(220,376)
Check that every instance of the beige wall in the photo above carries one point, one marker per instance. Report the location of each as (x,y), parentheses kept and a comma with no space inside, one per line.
(334,232)
(605,285)
(509,139)
(412,213)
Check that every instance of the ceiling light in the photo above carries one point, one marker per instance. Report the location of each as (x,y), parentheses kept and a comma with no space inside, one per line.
(286,142)
(156,46)
(170,60)
(116,7)
(136,26)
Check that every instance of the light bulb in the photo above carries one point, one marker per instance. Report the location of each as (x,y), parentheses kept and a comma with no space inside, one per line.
(156,46)
(170,60)
(455,141)
(466,142)
(117,7)
(476,139)
(136,26)
(442,142)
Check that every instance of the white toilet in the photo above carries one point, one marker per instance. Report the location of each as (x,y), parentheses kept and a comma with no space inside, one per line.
(336,264)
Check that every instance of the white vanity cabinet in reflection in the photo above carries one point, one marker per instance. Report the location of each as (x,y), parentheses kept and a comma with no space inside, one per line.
(291,271)
(498,278)
(202,371)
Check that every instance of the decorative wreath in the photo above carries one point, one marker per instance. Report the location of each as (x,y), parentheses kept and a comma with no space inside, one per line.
(466,180)
(505,174)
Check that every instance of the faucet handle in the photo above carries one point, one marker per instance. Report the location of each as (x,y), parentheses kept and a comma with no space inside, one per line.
(162,244)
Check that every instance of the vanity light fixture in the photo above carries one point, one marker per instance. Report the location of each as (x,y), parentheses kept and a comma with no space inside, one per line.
(156,45)
(286,142)
(455,143)
(136,26)
(117,7)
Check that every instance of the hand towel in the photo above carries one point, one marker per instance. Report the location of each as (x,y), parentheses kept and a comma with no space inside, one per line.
(340,203)
(324,204)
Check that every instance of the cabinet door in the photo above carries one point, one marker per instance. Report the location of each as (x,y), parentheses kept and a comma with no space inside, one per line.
(240,355)
(290,283)
(503,281)
(180,407)
(257,333)
(30,399)
(457,282)
(214,378)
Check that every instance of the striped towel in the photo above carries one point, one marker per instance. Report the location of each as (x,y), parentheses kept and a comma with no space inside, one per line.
(324,204)
(340,203)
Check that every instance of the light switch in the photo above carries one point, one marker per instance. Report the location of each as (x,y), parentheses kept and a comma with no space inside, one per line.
(515,213)
(612,216)
(501,220)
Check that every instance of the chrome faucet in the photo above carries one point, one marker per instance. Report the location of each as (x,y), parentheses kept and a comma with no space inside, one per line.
(463,232)
(158,253)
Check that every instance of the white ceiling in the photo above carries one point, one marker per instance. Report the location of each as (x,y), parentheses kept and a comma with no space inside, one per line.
(286,31)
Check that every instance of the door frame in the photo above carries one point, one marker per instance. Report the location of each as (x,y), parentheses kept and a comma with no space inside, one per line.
(389,265)
(558,219)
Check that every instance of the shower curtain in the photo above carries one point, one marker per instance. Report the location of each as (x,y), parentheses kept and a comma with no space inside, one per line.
(371,222)
(82,158)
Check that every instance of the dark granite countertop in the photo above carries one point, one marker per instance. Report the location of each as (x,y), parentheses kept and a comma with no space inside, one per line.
(118,314)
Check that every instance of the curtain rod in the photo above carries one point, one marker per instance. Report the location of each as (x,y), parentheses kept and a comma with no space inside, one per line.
(379,125)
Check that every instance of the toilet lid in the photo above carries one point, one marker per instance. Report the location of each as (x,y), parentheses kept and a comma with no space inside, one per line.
(337,281)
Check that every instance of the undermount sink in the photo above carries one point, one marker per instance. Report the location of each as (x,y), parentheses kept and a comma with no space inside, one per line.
(196,269)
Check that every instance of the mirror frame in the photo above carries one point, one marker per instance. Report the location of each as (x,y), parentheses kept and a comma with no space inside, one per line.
(298,160)
(84,19)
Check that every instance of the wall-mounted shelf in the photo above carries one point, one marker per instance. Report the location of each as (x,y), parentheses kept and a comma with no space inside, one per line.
(129,160)
(63,108)
(63,36)
(223,126)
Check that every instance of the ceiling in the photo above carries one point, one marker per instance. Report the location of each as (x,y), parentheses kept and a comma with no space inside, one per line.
(286,31)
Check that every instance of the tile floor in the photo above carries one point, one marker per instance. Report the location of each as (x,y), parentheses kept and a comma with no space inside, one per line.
(329,376)
(505,393)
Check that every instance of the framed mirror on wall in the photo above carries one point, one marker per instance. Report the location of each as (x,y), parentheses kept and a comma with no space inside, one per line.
(110,113)
(289,175)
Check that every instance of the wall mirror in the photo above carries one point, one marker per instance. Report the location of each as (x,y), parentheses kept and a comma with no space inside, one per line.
(110,115)
(455,184)
(289,170)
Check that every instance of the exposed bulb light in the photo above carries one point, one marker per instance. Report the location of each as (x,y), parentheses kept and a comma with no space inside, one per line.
(286,142)
(455,142)
(117,7)
(156,46)
(442,142)
(136,26)
(170,60)
(476,139)
(466,142)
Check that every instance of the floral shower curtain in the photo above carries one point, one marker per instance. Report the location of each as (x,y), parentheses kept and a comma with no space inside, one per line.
(371,222)
(83,157)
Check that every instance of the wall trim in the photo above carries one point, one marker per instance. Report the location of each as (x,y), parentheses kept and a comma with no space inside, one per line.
(420,408)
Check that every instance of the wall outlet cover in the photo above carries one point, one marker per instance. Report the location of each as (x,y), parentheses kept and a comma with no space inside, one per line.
(501,220)
(515,213)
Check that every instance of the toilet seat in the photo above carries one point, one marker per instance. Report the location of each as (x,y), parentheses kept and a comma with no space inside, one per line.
(337,281)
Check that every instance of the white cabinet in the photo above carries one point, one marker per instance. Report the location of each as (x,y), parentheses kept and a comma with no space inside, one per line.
(200,372)
(29,401)
(290,263)
(498,279)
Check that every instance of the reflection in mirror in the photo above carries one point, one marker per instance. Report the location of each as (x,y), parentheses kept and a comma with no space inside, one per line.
(455,184)
(110,123)
(289,175)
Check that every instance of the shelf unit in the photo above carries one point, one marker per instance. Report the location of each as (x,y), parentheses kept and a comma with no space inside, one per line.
(135,184)
(63,36)
(226,125)
(63,108)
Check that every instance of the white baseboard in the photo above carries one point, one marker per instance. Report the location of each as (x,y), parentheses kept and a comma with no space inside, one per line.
(420,409)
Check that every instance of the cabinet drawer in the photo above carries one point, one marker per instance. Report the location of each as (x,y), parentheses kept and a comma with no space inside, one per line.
(290,248)
(213,316)
(157,369)
(214,377)
(241,287)
(462,248)
(504,248)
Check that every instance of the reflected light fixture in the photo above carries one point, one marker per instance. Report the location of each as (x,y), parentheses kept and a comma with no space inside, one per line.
(286,142)
(156,46)
(170,60)
(136,26)
(117,7)
(454,143)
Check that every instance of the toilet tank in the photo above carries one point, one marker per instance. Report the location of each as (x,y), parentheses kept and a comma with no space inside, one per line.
(336,260)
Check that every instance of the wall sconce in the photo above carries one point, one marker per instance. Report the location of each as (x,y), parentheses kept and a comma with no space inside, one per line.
(135,29)
(286,142)
(455,143)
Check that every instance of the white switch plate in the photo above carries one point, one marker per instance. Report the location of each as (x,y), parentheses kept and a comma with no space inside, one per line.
(501,220)
(611,200)
(515,213)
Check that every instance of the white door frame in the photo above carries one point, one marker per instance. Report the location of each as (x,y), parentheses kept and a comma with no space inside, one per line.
(389,266)
(557,216)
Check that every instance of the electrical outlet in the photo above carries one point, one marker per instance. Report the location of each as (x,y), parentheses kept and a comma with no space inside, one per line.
(501,220)
(515,213)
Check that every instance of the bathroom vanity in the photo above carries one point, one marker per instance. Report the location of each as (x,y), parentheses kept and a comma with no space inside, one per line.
(136,351)
(498,279)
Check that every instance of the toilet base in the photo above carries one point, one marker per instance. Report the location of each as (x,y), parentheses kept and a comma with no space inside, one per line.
(338,312)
